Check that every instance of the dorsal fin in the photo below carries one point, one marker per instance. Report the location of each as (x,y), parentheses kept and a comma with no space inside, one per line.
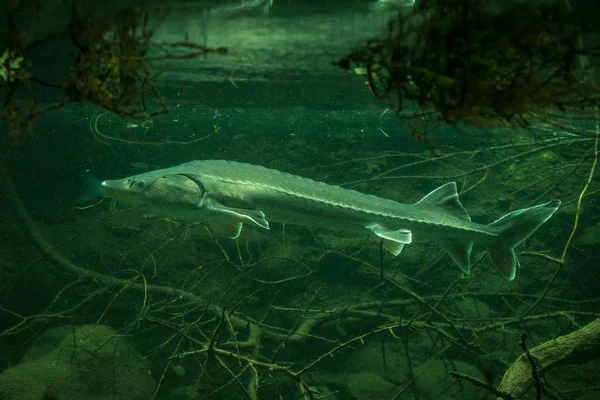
(446,198)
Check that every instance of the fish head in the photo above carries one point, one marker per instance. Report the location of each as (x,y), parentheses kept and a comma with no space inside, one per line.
(158,193)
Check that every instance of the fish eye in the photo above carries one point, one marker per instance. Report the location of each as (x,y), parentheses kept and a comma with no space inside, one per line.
(140,184)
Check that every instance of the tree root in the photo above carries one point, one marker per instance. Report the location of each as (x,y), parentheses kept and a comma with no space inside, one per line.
(577,347)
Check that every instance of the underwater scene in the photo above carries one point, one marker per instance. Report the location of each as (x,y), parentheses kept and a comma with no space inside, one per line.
(299,200)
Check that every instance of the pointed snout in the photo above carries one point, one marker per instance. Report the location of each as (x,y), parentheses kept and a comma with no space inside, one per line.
(114,188)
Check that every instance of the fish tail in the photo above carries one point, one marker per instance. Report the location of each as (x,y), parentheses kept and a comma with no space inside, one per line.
(514,228)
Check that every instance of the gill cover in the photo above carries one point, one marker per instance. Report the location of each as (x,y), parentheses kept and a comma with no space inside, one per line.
(200,185)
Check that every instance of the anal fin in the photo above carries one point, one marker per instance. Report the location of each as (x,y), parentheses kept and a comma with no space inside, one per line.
(460,252)
(393,241)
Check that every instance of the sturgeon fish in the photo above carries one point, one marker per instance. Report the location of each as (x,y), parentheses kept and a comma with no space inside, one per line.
(227,194)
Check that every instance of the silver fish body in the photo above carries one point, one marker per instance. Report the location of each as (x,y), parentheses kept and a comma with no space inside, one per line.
(227,194)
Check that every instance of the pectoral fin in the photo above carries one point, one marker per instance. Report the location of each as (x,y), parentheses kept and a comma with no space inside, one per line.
(393,241)
(254,217)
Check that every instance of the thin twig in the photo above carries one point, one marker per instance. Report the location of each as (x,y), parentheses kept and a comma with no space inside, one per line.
(534,371)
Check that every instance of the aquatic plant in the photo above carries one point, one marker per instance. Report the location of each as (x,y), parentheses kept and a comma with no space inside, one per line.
(466,62)
(112,64)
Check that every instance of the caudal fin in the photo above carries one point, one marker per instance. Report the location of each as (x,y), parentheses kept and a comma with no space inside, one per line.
(515,228)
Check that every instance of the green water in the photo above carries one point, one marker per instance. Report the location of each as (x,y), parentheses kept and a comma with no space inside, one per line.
(102,302)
